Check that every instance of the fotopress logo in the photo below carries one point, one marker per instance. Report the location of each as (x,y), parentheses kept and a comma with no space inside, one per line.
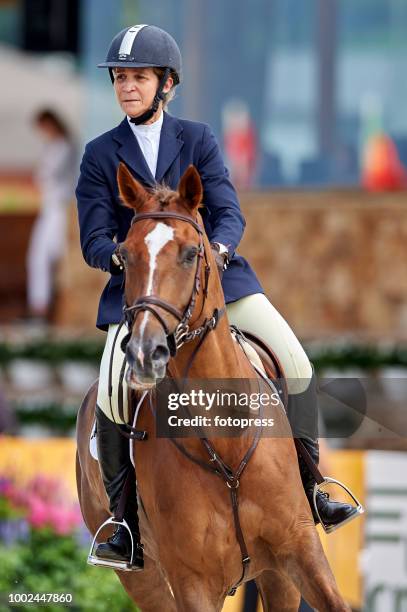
(211,408)
(358,408)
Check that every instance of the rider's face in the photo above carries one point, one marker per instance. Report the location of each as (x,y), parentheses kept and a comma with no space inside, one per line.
(135,89)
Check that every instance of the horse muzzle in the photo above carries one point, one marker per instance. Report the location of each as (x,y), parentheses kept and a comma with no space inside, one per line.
(147,362)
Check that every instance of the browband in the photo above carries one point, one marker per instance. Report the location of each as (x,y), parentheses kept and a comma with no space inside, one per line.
(165,215)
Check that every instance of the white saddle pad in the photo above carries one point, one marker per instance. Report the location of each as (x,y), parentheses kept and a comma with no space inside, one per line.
(250,352)
(93,449)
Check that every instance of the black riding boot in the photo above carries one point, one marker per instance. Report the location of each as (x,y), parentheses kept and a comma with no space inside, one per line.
(114,461)
(332,513)
(302,413)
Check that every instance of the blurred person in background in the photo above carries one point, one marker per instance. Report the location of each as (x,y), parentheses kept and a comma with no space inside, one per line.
(240,142)
(144,64)
(55,178)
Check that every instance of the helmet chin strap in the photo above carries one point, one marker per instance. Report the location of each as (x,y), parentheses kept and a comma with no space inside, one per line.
(156,102)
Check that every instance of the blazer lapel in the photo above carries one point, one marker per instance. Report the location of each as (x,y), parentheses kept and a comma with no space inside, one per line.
(171,144)
(130,152)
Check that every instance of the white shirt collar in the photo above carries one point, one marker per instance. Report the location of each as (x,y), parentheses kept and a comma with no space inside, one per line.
(148,138)
(150,129)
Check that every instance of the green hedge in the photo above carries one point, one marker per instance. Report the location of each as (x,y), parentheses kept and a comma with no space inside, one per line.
(364,356)
(59,418)
(53,352)
(48,563)
(335,355)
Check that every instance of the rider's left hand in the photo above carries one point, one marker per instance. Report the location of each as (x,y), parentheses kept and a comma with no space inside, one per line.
(221,259)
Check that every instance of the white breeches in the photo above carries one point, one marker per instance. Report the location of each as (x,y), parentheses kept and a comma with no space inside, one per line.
(256,314)
(47,244)
(253,313)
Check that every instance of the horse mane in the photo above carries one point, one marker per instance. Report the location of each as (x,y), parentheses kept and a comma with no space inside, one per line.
(163,195)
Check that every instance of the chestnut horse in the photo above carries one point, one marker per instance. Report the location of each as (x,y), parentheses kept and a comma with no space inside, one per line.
(192,554)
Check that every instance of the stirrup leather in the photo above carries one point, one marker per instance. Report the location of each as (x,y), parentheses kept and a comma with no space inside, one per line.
(118,565)
(359,509)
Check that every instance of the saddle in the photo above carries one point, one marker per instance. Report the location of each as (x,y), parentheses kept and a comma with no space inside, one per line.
(263,358)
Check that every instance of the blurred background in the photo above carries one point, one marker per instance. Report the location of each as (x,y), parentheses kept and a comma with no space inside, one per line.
(308,102)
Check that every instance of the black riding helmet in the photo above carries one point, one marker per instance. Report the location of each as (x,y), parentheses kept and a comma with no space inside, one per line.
(145,46)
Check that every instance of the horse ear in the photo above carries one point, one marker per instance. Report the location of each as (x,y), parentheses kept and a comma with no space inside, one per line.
(131,192)
(190,187)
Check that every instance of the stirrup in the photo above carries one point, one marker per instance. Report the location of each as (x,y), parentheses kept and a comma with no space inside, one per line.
(359,509)
(117,565)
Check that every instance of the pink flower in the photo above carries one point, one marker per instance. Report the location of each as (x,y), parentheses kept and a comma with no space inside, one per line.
(38,513)
(45,502)
(48,489)
(5,487)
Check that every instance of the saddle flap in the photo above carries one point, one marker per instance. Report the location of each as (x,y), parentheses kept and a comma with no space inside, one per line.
(258,351)
(250,352)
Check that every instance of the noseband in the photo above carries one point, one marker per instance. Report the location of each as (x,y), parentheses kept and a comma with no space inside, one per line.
(150,303)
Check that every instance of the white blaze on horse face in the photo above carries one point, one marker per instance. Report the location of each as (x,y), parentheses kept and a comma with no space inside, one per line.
(155,241)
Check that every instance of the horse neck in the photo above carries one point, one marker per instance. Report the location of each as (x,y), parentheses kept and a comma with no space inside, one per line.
(219,358)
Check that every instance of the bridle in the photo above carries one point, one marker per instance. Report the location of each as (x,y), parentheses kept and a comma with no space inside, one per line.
(151,303)
(182,333)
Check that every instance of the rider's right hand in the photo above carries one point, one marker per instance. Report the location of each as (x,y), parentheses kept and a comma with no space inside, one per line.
(116,262)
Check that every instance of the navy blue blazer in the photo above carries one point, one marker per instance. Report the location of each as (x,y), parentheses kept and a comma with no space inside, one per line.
(102,217)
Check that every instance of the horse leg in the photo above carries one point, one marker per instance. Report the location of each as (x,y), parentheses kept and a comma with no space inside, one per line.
(309,569)
(148,589)
(194,593)
(277,592)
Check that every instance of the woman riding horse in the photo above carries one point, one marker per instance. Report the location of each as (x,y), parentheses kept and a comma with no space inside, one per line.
(144,63)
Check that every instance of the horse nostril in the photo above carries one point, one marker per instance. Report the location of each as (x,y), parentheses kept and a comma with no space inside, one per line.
(160,353)
(130,354)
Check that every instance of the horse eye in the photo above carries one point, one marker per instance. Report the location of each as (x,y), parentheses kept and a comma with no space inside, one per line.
(189,255)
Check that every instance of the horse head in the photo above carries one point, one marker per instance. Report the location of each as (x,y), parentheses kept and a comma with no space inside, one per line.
(163,255)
